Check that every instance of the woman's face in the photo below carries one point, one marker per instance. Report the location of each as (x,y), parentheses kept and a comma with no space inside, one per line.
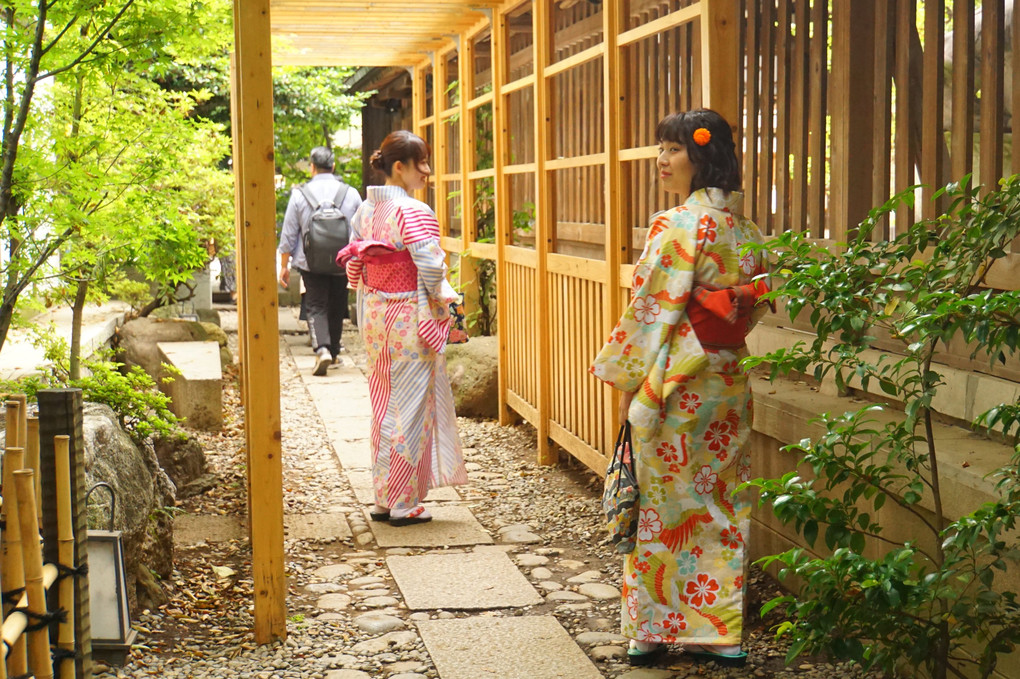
(412,176)
(675,169)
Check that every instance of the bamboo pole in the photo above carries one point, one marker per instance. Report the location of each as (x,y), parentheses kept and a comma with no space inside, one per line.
(32,461)
(13,415)
(14,625)
(12,565)
(38,639)
(65,546)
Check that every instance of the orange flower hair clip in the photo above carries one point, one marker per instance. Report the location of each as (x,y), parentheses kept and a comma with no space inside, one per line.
(702,136)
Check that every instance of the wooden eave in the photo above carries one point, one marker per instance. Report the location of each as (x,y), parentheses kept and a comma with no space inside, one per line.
(369,32)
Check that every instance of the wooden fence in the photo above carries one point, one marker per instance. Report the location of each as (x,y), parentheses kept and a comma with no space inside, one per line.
(540,126)
(543,118)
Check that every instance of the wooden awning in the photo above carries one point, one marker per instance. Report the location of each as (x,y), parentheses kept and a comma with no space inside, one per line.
(368,32)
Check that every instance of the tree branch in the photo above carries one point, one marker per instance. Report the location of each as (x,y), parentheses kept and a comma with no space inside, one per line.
(92,47)
(11,142)
(60,35)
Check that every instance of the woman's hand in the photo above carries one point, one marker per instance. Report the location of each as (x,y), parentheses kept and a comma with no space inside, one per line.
(625,399)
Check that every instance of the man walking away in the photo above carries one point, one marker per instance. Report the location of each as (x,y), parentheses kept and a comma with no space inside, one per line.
(325,289)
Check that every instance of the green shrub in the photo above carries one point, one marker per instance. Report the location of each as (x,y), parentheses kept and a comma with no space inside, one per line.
(927,611)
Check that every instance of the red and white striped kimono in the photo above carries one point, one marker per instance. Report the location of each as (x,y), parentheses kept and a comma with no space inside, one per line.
(404,319)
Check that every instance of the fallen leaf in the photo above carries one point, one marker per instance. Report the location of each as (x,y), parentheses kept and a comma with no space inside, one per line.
(223,571)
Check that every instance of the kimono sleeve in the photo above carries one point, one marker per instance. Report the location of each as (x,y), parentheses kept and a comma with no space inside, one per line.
(420,233)
(355,265)
(663,280)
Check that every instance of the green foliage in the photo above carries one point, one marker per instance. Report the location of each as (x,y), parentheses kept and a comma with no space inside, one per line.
(936,605)
(141,408)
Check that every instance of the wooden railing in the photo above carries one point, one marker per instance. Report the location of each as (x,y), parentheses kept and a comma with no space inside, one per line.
(25,578)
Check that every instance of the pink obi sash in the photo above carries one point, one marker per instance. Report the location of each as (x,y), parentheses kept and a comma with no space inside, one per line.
(392,272)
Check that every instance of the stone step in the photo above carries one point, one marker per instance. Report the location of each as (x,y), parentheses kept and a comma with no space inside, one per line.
(196,394)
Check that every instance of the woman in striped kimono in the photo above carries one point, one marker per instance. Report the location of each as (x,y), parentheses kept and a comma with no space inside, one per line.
(395,263)
(675,355)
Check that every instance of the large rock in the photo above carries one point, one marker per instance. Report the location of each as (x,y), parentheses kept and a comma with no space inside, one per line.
(182,458)
(137,339)
(474,375)
(145,496)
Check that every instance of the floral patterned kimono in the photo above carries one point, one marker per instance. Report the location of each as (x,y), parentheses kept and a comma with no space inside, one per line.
(690,418)
(404,318)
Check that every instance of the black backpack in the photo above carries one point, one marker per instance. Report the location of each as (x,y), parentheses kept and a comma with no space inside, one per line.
(326,233)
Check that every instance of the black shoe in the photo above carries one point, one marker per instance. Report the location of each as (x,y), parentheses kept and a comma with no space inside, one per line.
(380,516)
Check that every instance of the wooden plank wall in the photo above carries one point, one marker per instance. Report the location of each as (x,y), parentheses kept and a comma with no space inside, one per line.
(568,147)
(902,99)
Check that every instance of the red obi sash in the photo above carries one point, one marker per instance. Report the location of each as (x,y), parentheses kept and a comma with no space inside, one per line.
(720,316)
(392,272)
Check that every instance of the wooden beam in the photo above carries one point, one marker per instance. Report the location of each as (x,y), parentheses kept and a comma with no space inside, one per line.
(932,94)
(256,247)
(853,76)
(720,59)
(962,131)
(545,224)
(992,92)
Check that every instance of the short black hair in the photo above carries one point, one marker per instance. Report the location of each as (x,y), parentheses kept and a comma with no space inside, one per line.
(321,158)
(715,163)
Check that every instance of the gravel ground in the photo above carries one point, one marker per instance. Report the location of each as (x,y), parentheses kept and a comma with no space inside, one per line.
(346,619)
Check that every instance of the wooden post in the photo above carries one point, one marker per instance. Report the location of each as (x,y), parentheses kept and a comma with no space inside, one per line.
(468,223)
(545,227)
(932,93)
(439,148)
(256,246)
(60,414)
(39,639)
(13,560)
(501,197)
(417,111)
(993,39)
(65,548)
(618,227)
(853,80)
(720,60)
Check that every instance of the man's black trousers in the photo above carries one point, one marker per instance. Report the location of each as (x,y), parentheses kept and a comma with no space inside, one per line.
(326,306)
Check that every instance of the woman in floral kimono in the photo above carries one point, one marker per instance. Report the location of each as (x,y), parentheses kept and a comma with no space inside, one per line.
(675,356)
(395,263)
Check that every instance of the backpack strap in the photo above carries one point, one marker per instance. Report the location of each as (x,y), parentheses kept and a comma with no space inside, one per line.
(309,198)
(341,195)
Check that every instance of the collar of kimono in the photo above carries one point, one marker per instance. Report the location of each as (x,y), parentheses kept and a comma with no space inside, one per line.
(717,198)
(381,193)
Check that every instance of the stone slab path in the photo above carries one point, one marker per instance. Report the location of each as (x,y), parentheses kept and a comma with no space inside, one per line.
(450,564)
(536,647)
(471,581)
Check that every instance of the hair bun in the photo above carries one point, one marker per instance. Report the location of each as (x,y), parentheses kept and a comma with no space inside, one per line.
(376,160)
